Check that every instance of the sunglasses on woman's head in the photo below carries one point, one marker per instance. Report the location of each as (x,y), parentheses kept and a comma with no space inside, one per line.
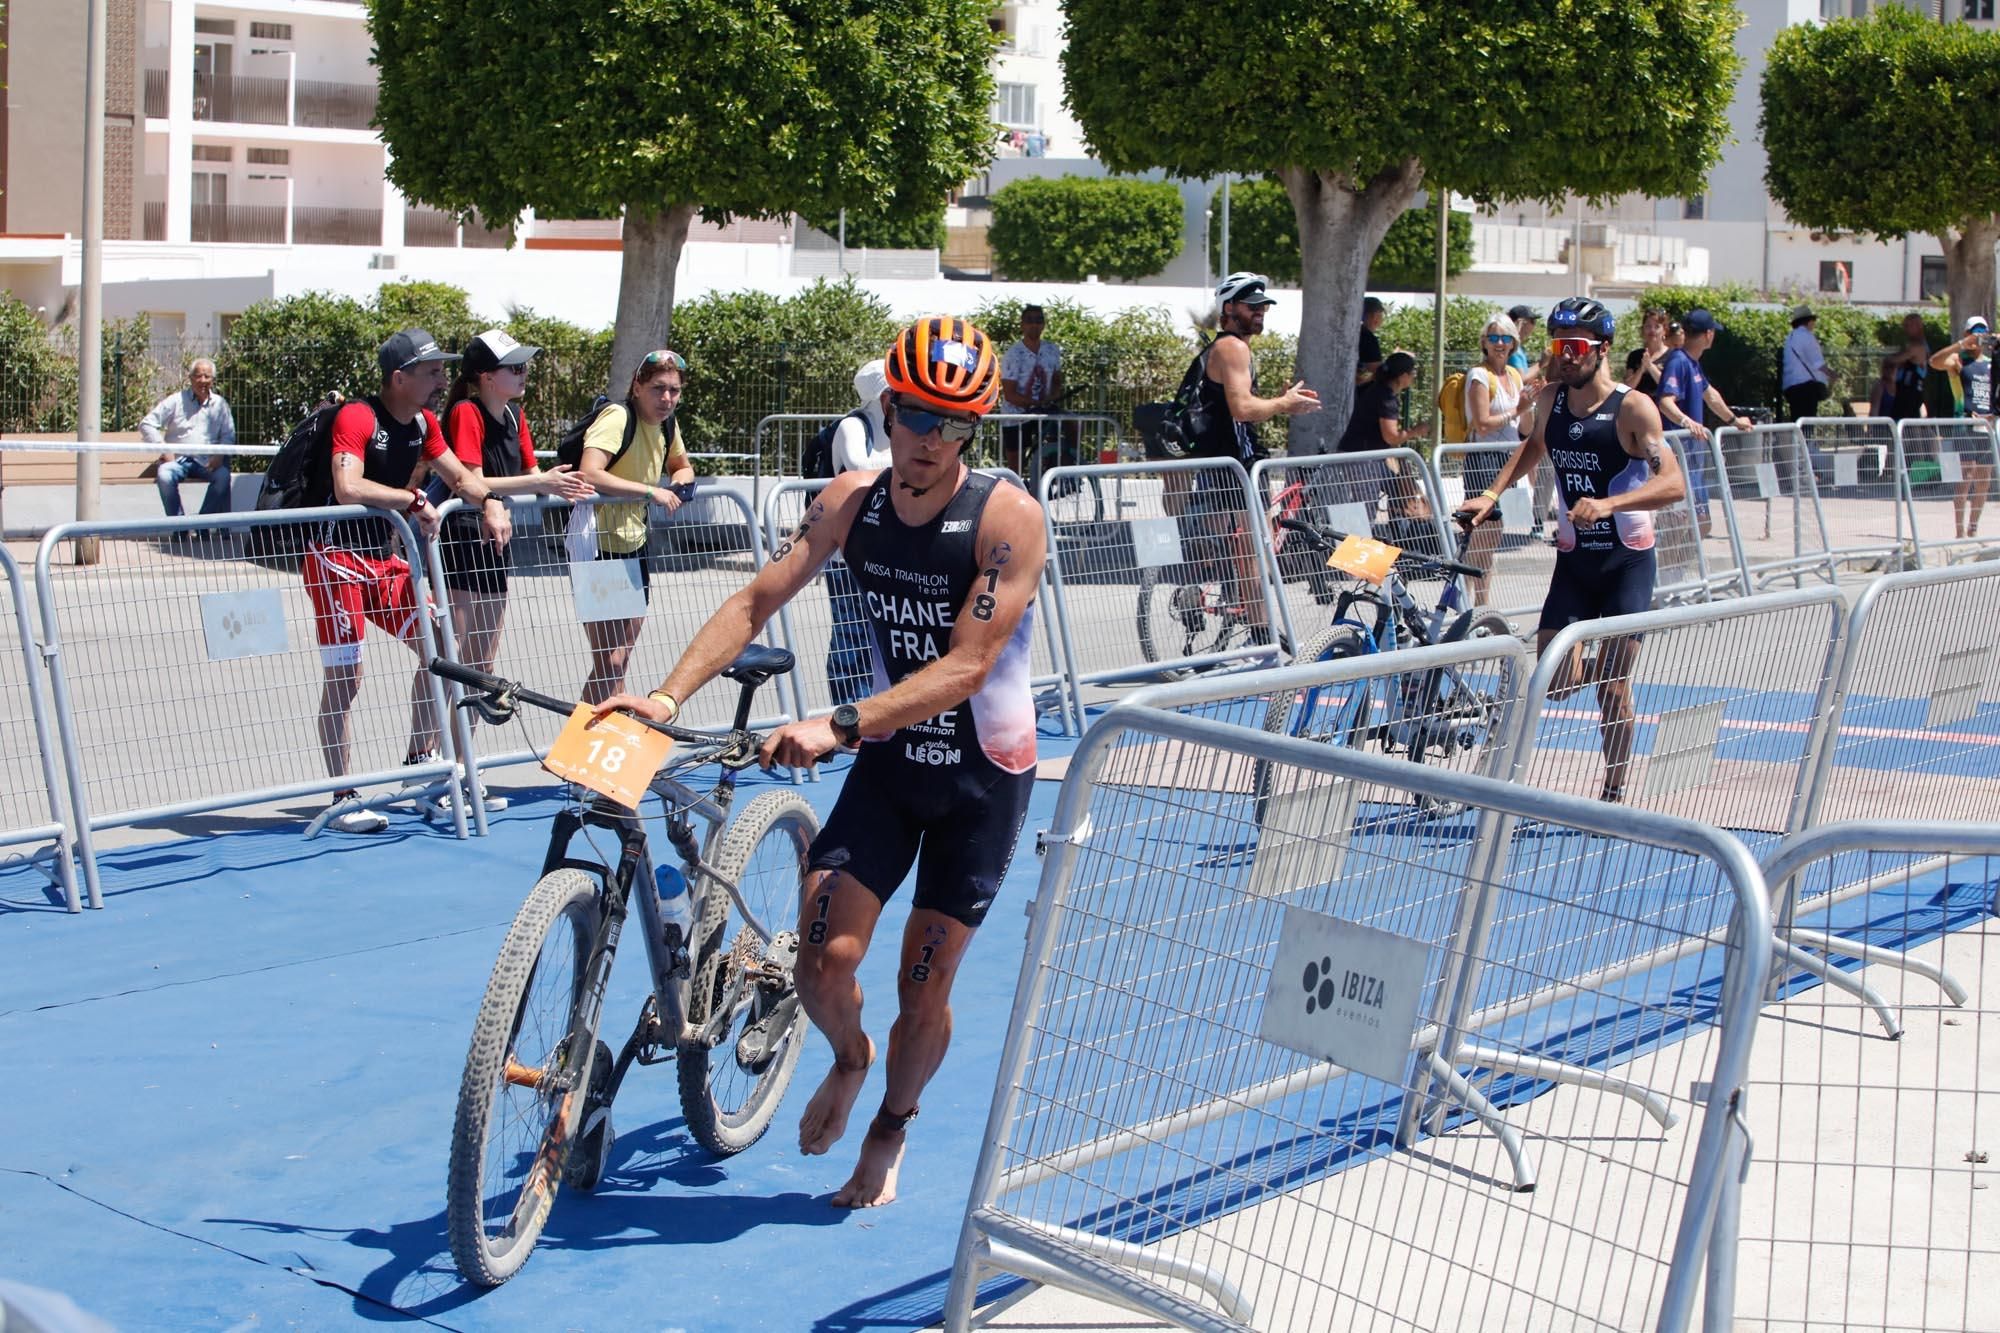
(665,356)
(921,420)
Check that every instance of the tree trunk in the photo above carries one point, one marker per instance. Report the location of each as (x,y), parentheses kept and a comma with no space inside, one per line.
(653,241)
(1340,228)
(1969,269)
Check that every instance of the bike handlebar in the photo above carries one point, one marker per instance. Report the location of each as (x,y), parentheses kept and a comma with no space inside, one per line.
(1328,538)
(500,695)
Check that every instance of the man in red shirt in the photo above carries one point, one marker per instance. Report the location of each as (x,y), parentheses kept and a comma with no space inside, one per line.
(353,572)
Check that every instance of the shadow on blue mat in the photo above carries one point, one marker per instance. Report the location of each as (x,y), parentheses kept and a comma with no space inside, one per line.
(417,1277)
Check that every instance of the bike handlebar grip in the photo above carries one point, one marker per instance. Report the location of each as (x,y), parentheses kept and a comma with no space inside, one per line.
(465,675)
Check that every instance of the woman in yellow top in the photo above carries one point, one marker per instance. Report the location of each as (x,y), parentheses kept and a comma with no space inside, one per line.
(656,452)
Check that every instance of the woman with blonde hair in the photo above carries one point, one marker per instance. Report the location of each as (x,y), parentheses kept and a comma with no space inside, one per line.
(1498,412)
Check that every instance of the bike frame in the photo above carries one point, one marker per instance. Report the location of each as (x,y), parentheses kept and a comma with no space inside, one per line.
(1394,608)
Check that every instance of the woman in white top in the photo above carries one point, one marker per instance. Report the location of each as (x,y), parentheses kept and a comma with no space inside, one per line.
(1497,412)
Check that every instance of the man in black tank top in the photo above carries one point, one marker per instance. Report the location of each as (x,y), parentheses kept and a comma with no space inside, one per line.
(947,561)
(1613,467)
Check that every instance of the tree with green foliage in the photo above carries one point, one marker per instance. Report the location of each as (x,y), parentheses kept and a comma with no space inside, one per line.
(438,308)
(1882,126)
(656,110)
(1519,100)
(1076,227)
(27,365)
(1264,237)
(281,356)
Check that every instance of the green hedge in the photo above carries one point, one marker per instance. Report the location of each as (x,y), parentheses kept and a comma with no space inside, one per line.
(1076,227)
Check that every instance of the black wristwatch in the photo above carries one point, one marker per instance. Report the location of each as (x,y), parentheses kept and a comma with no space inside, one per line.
(847,724)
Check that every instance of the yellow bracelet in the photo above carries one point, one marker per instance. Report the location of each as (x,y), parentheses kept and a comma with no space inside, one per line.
(673,704)
(1489,494)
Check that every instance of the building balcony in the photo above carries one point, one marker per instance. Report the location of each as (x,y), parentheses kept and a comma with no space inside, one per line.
(429,227)
(264,224)
(302,103)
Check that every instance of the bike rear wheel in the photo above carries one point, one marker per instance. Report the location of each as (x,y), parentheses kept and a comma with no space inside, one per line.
(742,1003)
(526,1079)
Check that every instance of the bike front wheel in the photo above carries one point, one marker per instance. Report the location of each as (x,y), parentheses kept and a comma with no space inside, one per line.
(526,1078)
(749,1027)
(1331,714)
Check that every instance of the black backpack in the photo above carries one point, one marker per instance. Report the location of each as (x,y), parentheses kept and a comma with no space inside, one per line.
(1185,420)
(569,449)
(301,473)
(817,460)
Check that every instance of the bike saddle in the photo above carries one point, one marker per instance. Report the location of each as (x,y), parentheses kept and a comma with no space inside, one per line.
(757,664)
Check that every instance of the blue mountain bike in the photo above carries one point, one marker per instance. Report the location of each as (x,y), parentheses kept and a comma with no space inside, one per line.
(1424,715)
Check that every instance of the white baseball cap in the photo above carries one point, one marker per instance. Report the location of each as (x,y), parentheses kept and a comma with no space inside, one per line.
(1976,322)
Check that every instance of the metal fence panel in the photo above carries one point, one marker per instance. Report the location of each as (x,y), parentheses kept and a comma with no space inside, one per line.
(1384,493)
(1868,1203)
(1225,1016)
(1780,528)
(1859,481)
(780,439)
(565,615)
(1948,466)
(1713,713)
(1519,549)
(31,802)
(186,670)
(1173,583)
(1692,540)
(1028,444)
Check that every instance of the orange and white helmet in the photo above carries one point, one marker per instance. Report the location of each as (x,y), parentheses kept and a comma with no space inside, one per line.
(946,364)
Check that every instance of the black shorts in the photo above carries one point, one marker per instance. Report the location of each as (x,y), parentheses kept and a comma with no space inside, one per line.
(1590,585)
(645,569)
(960,833)
(472,563)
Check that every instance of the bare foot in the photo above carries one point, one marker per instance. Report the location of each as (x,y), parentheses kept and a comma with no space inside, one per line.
(825,1118)
(874,1180)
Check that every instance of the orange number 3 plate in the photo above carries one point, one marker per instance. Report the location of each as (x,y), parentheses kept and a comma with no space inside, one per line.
(615,757)
(1364,558)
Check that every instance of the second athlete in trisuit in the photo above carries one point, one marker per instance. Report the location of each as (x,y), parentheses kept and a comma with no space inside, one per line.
(1613,466)
(947,561)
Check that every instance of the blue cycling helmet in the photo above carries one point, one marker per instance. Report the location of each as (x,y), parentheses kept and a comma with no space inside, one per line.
(1580,314)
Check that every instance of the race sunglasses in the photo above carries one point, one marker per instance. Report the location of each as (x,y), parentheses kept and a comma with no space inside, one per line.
(1574,348)
(921,420)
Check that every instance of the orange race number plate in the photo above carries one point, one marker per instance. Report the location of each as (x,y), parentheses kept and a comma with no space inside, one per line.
(1364,558)
(615,756)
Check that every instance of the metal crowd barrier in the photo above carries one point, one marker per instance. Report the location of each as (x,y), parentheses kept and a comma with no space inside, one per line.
(1858,482)
(1384,493)
(1693,541)
(787,434)
(1717,713)
(1518,550)
(1174,583)
(1948,465)
(1207,1105)
(826,626)
(186,673)
(561,608)
(1780,528)
(31,801)
(1861,1206)
(1031,443)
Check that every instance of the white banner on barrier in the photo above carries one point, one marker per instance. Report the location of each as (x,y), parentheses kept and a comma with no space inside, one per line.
(1353,517)
(1517,509)
(1684,748)
(1956,686)
(1304,842)
(1949,469)
(1346,993)
(1767,481)
(1847,470)
(250,623)
(608,590)
(1156,542)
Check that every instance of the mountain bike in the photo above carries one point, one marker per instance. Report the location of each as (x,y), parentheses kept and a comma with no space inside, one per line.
(534,1103)
(1429,714)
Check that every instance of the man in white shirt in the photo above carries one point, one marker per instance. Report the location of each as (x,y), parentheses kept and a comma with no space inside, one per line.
(860,444)
(1805,379)
(1031,381)
(197,415)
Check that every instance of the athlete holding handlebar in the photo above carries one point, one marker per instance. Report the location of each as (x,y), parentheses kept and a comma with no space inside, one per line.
(1610,458)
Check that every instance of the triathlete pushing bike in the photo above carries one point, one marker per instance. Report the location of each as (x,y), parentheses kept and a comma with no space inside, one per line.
(947,561)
